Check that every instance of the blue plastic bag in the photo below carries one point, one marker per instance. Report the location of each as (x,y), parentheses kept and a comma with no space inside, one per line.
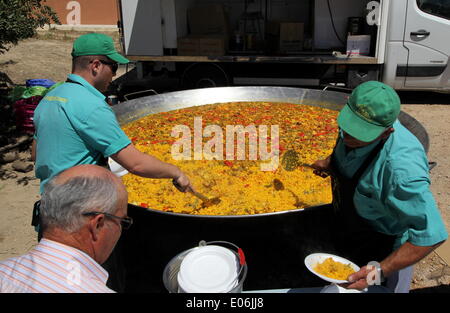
(47,83)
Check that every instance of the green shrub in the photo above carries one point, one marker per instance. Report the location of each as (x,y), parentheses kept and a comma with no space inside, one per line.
(19,20)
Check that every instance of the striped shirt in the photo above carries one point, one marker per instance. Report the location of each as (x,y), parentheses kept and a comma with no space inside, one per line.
(52,267)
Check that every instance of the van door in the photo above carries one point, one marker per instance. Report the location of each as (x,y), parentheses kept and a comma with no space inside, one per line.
(426,38)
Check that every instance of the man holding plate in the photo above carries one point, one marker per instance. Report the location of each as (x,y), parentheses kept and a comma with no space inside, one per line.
(384,208)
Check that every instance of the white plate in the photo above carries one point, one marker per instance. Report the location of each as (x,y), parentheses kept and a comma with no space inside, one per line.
(208,269)
(312,259)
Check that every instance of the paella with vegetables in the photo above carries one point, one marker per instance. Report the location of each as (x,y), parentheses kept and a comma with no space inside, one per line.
(240,183)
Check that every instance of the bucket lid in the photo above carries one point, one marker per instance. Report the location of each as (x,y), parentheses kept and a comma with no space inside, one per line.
(208,269)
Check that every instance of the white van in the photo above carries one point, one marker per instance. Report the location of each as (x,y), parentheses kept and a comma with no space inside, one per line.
(210,43)
(417,45)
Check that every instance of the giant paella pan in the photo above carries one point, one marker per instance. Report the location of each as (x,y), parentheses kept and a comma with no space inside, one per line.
(275,226)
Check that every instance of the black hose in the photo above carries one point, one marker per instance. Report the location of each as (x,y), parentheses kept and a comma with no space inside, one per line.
(332,24)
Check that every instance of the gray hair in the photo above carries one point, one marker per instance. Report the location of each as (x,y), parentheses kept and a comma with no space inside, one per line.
(62,204)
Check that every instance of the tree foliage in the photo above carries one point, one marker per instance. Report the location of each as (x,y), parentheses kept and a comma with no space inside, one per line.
(19,20)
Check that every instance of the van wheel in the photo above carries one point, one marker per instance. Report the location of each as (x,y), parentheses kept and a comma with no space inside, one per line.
(204,75)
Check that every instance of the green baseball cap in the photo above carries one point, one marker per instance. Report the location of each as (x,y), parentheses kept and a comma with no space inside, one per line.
(97,44)
(371,108)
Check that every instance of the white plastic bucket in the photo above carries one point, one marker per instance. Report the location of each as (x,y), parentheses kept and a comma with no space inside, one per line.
(206,269)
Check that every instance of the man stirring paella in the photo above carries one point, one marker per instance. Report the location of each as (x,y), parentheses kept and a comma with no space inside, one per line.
(74,124)
(381,190)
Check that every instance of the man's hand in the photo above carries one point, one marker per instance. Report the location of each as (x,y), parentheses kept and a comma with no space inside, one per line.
(182,183)
(322,168)
(359,280)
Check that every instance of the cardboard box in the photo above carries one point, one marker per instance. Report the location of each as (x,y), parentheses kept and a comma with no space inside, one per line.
(208,20)
(203,45)
(358,45)
(209,29)
(188,46)
(213,45)
(285,36)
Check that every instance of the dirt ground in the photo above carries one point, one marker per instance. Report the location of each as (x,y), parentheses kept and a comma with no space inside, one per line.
(49,57)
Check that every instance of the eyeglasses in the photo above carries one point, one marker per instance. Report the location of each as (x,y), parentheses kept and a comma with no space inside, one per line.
(125,222)
(114,65)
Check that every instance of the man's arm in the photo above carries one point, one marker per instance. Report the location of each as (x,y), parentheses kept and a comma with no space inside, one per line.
(145,165)
(408,254)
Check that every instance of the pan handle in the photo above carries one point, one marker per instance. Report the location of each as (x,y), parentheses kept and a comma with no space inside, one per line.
(139,92)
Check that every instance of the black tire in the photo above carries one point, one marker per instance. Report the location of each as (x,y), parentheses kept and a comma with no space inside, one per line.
(204,75)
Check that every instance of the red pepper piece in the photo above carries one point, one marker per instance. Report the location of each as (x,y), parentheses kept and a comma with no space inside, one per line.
(228,163)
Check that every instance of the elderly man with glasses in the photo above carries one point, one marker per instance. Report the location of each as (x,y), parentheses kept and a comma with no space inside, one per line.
(83,213)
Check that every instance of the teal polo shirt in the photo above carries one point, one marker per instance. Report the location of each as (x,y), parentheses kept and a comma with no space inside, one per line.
(74,125)
(393,194)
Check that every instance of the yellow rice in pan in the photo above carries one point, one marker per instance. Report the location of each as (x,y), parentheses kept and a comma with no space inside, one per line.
(241,184)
